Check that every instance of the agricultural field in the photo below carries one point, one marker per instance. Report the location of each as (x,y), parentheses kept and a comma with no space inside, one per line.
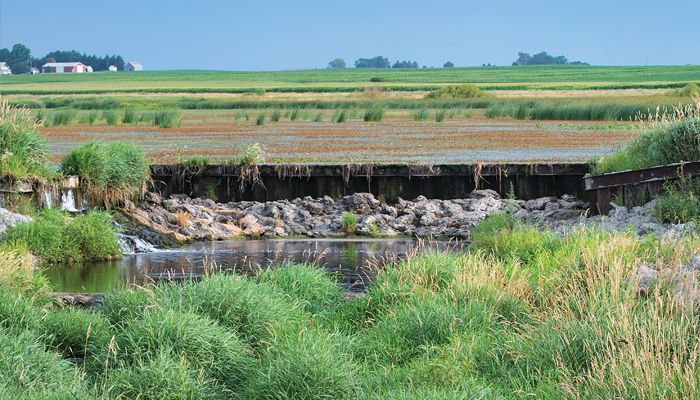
(508,114)
(349,80)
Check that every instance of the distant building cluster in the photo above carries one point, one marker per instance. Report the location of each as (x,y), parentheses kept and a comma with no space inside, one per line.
(70,68)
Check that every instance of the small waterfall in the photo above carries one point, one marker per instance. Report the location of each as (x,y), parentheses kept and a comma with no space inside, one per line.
(129,244)
(68,201)
(48,199)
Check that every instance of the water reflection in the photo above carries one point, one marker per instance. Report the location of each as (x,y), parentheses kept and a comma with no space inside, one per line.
(354,260)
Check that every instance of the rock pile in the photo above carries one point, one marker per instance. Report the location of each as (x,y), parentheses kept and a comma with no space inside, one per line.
(181,218)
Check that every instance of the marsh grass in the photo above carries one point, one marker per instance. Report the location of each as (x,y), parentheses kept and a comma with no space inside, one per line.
(294,115)
(439,116)
(340,116)
(167,118)
(375,113)
(348,221)
(111,117)
(318,117)
(275,116)
(260,120)
(420,115)
(130,117)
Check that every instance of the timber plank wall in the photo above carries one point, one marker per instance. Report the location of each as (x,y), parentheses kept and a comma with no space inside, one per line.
(276,182)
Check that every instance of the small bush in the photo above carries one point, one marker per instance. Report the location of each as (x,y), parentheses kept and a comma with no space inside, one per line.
(252,154)
(167,119)
(348,221)
(463,91)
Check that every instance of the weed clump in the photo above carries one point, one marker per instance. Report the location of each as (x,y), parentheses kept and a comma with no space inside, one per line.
(167,119)
(348,221)
(23,150)
(374,114)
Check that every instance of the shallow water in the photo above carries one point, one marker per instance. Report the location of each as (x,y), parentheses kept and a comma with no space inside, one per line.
(354,260)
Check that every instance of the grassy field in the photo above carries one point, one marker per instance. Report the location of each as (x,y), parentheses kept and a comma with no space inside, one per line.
(533,77)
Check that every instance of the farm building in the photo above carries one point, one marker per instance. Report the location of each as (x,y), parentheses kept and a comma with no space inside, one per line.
(64,67)
(34,71)
(112,68)
(132,66)
(4,69)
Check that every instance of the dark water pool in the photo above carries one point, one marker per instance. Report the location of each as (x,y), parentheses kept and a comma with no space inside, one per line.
(354,260)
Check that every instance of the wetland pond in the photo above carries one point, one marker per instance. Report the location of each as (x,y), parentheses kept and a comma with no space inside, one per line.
(355,261)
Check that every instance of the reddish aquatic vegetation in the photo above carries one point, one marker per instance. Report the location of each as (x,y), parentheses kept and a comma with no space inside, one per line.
(396,139)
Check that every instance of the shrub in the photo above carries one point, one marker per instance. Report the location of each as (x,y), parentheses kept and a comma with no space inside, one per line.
(23,150)
(114,171)
(348,221)
(167,119)
(306,285)
(463,91)
(252,154)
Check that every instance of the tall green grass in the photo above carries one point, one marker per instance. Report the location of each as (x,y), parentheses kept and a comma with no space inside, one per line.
(23,150)
(375,113)
(55,237)
(663,142)
(167,119)
(565,110)
(114,171)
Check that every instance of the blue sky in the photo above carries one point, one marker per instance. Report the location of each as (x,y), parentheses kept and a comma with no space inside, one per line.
(273,35)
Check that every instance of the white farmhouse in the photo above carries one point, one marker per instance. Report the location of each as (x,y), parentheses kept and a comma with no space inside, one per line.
(4,69)
(112,68)
(64,67)
(132,66)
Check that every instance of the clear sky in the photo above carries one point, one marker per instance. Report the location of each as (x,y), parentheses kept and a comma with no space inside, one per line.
(273,35)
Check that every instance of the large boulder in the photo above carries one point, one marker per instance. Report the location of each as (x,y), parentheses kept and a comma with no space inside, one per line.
(9,219)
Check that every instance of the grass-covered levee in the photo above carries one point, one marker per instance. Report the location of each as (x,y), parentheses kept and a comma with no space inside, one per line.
(524,313)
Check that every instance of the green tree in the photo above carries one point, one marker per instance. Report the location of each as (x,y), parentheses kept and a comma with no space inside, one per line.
(376,62)
(448,64)
(338,63)
(405,64)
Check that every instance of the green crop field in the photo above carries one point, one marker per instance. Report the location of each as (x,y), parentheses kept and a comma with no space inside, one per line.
(521,78)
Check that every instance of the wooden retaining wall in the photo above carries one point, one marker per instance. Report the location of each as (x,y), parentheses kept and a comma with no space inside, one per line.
(636,187)
(275,182)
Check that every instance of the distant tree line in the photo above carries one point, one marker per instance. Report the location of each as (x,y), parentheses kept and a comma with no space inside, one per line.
(379,62)
(20,59)
(543,59)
